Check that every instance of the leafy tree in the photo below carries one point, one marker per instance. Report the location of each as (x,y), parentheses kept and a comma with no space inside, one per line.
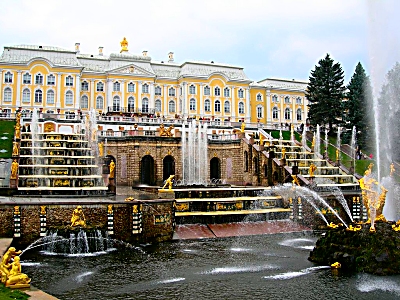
(325,92)
(358,108)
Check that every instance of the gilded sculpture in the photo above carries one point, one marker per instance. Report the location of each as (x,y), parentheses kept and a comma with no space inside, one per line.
(312,169)
(283,152)
(112,169)
(169,182)
(101,149)
(242,127)
(78,217)
(15,151)
(10,269)
(392,169)
(166,132)
(17,128)
(124,45)
(14,169)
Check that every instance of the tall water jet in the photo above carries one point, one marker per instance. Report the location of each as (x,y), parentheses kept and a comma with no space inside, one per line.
(338,143)
(353,146)
(304,138)
(317,146)
(326,142)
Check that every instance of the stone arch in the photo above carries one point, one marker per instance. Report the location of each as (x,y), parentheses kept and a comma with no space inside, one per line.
(168,166)
(215,168)
(147,170)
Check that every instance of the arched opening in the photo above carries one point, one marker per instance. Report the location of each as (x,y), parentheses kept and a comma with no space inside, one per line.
(168,166)
(215,168)
(147,170)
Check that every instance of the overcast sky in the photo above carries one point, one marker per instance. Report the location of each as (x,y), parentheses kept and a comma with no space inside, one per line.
(269,38)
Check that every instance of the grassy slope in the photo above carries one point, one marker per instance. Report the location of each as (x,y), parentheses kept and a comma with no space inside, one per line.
(6,138)
(11,294)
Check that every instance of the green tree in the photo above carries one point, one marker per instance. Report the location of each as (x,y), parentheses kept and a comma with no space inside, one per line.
(325,93)
(358,108)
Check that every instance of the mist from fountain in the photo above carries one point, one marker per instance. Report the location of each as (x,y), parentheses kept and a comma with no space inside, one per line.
(353,145)
(194,153)
(326,141)
(391,210)
(317,147)
(338,143)
(304,138)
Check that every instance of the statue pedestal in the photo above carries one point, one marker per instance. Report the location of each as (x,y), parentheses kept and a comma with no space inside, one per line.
(166,194)
(13,183)
(19,286)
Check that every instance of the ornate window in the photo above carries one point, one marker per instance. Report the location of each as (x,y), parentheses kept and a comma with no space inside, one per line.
(116,86)
(116,103)
(157,105)
(131,104)
(207,105)
(259,111)
(85,86)
(26,96)
(192,89)
(84,102)
(26,78)
(287,114)
(8,77)
(226,92)
(7,95)
(207,90)
(69,81)
(157,90)
(217,106)
(171,106)
(145,105)
(298,114)
(241,108)
(131,87)
(192,104)
(217,91)
(69,98)
(240,93)
(227,107)
(51,79)
(275,99)
(50,97)
(259,97)
(275,114)
(39,79)
(100,87)
(171,92)
(287,99)
(38,96)
(145,88)
(99,102)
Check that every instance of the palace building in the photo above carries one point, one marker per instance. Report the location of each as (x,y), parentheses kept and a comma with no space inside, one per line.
(60,81)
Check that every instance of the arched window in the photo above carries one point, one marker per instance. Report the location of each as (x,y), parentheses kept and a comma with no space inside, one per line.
(116,103)
(100,87)
(145,88)
(259,111)
(241,108)
(131,87)
(145,105)
(171,106)
(69,98)
(171,92)
(27,78)
(275,114)
(39,79)
(227,107)
(131,104)
(38,96)
(84,102)
(69,81)
(298,100)
(157,104)
(85,86)
(287,114)
(51,79)
(206,90)
(192,104)
(99,102)
(287,99)
(192,89)
(8,77)
(240,93)
(50,97)
(259,97)
(226,92)
(116,86)
(157,90)
(7,95)
(275,99)
(26,96)
(207,105)
(217,106)
(298,114)
(217,91)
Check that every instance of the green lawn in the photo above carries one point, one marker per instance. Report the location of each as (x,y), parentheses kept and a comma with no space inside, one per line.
(11,294)
(6,138)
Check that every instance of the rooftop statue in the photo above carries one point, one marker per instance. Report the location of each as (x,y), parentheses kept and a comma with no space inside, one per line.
(166,132)
(242,127)
(124,45)
(78,217)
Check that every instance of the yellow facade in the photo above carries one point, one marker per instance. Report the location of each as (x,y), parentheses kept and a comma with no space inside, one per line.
(61,81)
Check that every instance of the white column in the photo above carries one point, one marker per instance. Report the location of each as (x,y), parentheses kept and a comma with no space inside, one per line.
(139,96)
(59,83)
(18,100)
(282,111)
(78,92)
(178,100)
(92,104)
(165,100)
(268,116)
(1,86)
(123,100)
(151,100)
(233,108)
(201,102)
(109,94)
(304,118)
(293,110)
(185,111)
(248,107)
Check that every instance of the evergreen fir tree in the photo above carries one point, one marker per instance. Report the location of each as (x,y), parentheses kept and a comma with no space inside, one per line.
(358,109)
(325,92)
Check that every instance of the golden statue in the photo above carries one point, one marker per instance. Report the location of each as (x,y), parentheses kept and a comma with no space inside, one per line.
(283,152)
(295,180)
(124,45)
(166,132)
(112,169)
(78,217)
(101,149)
(169,182)
(14,169)
(110,209)
(15,151)
(313,143)
(5,262)
(337,154)
(392,170)
(261,140)
(17,128)
(312,169)
(242,127)
(16,277)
